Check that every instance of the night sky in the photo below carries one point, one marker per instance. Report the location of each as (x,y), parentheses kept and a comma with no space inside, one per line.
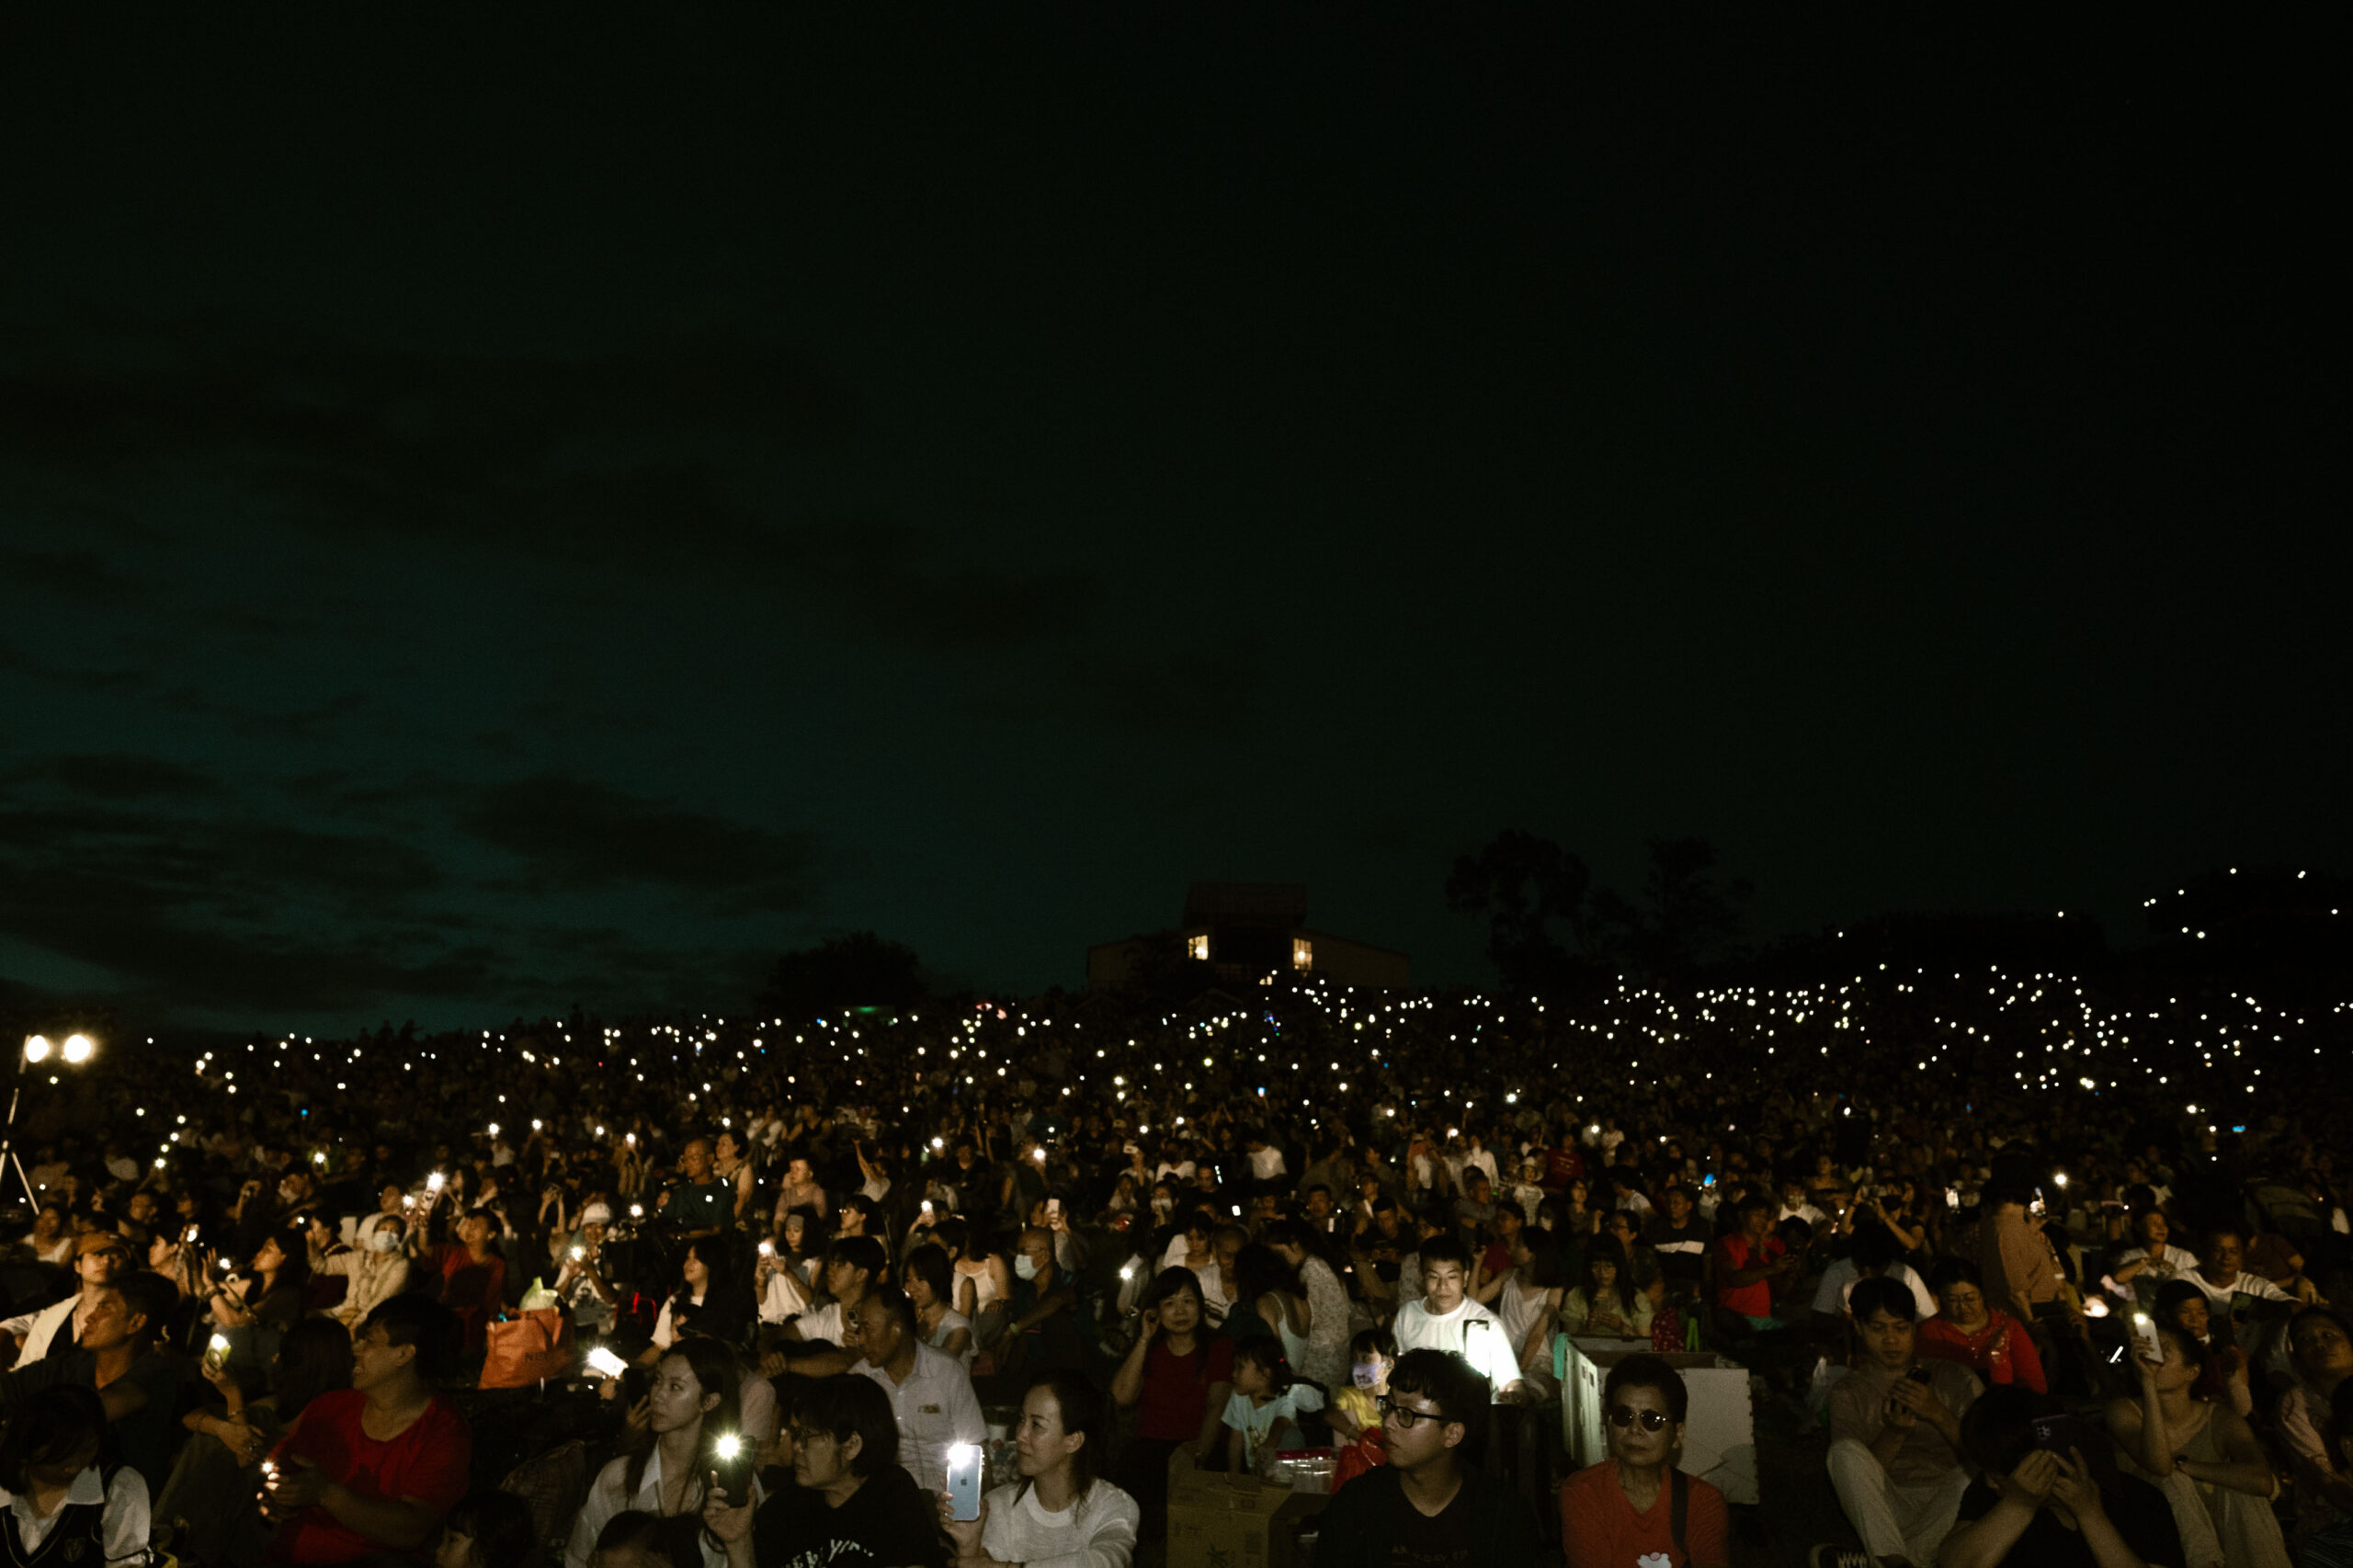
(494,516)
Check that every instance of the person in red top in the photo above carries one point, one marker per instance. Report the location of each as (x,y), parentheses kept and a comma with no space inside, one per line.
(1176,1379)
(1563,1163)
(1748,1262)
(474,1277)
(368,1471)
(1624,1510)
(1986,1340)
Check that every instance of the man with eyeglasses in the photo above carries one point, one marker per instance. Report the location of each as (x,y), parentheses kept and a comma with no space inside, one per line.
(1427,1509)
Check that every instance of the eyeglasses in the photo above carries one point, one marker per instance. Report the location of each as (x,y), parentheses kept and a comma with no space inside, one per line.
(1407,1416)
(1626,1416)
(803,1436)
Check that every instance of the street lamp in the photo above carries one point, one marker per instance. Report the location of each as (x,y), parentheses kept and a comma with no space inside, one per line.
(78,1047)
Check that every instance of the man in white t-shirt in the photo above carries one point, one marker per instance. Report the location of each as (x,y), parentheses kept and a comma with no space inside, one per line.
(1446,1318)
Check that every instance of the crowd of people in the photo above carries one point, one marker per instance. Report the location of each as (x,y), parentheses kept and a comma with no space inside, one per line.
(975,1284)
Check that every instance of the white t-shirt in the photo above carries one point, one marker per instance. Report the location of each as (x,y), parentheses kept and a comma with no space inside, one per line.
(1101,1527)
(1838,1282)
(1418,1328)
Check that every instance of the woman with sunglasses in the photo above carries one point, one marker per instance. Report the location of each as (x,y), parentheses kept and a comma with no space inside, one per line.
(1635,1505)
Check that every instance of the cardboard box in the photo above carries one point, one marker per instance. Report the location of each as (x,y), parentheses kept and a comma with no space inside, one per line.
(1718,1435)
(1234,1521)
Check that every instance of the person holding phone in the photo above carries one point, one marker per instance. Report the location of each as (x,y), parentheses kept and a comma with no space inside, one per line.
(691,1404)
(854,1506)
(1062,1510)
(2199,1452)
(1895,1430)
(2037,1503)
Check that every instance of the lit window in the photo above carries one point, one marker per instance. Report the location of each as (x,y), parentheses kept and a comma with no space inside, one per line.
(1199,947)
(1302,954)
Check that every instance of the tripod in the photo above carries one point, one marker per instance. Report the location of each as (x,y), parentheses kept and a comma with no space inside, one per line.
(8,1157)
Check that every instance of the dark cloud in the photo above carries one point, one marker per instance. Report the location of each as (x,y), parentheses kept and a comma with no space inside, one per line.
(637,461)
(574,834)
(125,777)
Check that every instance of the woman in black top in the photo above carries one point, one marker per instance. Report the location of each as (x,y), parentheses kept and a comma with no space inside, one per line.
(853,1506)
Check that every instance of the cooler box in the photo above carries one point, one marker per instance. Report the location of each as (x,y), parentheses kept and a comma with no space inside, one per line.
(1719,1439)
(1217,1520)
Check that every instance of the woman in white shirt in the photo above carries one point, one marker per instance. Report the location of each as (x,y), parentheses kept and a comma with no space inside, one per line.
(1061,1512)
(926,1281)
(691,1404)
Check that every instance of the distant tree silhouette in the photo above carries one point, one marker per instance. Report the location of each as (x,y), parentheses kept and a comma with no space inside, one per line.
(860,970)
(1523,885)
(1689,920)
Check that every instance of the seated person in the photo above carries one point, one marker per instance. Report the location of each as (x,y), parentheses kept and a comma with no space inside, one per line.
(1603,1302)
(2179,1428)
(1426,1506)
(1060,1510)
(1445,1317)
(1873,1256)
(852,1505)
(369,1471)
(137,1382)
(2035,1505)
(61,1505)
(1635,1505)
(1985,1339)
(1748,1264)
(1896,1432)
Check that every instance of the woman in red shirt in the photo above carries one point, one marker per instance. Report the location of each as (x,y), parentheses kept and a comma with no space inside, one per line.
(1176,1379)
(1624,1510)
(1987,1340)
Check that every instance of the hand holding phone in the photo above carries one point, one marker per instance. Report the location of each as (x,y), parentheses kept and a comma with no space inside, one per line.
(963,1482)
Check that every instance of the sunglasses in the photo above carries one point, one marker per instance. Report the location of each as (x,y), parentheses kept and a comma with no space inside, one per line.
(1406,1415)
(1652,1420)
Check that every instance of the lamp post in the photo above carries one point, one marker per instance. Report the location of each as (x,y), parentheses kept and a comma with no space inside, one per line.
(77,1049)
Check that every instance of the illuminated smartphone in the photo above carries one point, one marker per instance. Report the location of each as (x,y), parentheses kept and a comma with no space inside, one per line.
(963,1482)
(604,1361)
(2144,1335)
(730,1471)
(216,1353)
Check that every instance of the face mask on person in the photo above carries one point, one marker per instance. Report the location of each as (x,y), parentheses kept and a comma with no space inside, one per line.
(383,1239)
(289,1193)
(1366,1374)
(1025,1266)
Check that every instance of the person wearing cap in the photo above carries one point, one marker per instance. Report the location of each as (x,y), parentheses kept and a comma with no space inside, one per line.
(100,1257)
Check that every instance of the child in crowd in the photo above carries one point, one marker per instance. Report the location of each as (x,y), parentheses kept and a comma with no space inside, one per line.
(1263,1411)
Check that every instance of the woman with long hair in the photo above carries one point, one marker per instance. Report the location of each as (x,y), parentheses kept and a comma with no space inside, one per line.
(2202,1454)
(1277,1303)
(1176,1379)
(1605,1300)
(1062,1507)
(706,1301)
(691,1405)
(270,1293)
(942,1326)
